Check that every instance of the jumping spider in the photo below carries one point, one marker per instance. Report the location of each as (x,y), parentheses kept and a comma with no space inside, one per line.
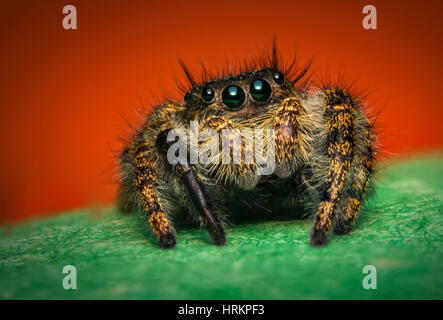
(324,152)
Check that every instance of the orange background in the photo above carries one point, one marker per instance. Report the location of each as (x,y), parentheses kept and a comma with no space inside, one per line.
(64,93)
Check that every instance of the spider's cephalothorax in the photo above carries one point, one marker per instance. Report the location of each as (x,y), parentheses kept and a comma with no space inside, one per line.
(322,153)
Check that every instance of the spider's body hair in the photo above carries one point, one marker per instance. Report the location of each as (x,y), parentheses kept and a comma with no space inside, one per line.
(295,73)
(324,155)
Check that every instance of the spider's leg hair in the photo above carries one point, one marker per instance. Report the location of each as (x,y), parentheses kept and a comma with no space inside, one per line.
(145,178)
(360,177)
(341,151)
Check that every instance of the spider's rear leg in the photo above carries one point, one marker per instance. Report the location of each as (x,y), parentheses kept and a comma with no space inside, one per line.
(341,151)
(199,195)
(358,184)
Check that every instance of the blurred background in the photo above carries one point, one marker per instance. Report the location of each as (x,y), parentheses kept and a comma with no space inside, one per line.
(66,94)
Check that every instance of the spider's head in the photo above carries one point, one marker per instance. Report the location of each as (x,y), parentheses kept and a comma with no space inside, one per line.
(245,94)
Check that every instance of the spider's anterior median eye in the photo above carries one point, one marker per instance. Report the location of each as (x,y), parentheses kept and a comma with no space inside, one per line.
(208,94)
(260,90)
(233,97)
(279,78)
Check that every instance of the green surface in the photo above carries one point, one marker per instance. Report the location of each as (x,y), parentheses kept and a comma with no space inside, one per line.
(400,233)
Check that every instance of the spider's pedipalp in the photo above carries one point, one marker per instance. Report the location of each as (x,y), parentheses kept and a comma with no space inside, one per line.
(199,198)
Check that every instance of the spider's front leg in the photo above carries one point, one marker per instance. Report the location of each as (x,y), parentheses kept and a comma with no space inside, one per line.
(339,114)
(146,177)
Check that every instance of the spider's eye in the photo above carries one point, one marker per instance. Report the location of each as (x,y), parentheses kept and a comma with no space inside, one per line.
(260,90)
(208,94)
(233,97)
(279,78)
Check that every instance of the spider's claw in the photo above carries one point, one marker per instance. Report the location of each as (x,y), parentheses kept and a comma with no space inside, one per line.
(220,242)
(167,241)
(342,229)
(220,238)
(319,238)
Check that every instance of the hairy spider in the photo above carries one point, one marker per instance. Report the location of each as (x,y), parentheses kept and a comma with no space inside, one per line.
(323,152)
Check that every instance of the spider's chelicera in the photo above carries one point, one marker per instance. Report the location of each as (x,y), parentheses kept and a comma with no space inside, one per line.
(206,155)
